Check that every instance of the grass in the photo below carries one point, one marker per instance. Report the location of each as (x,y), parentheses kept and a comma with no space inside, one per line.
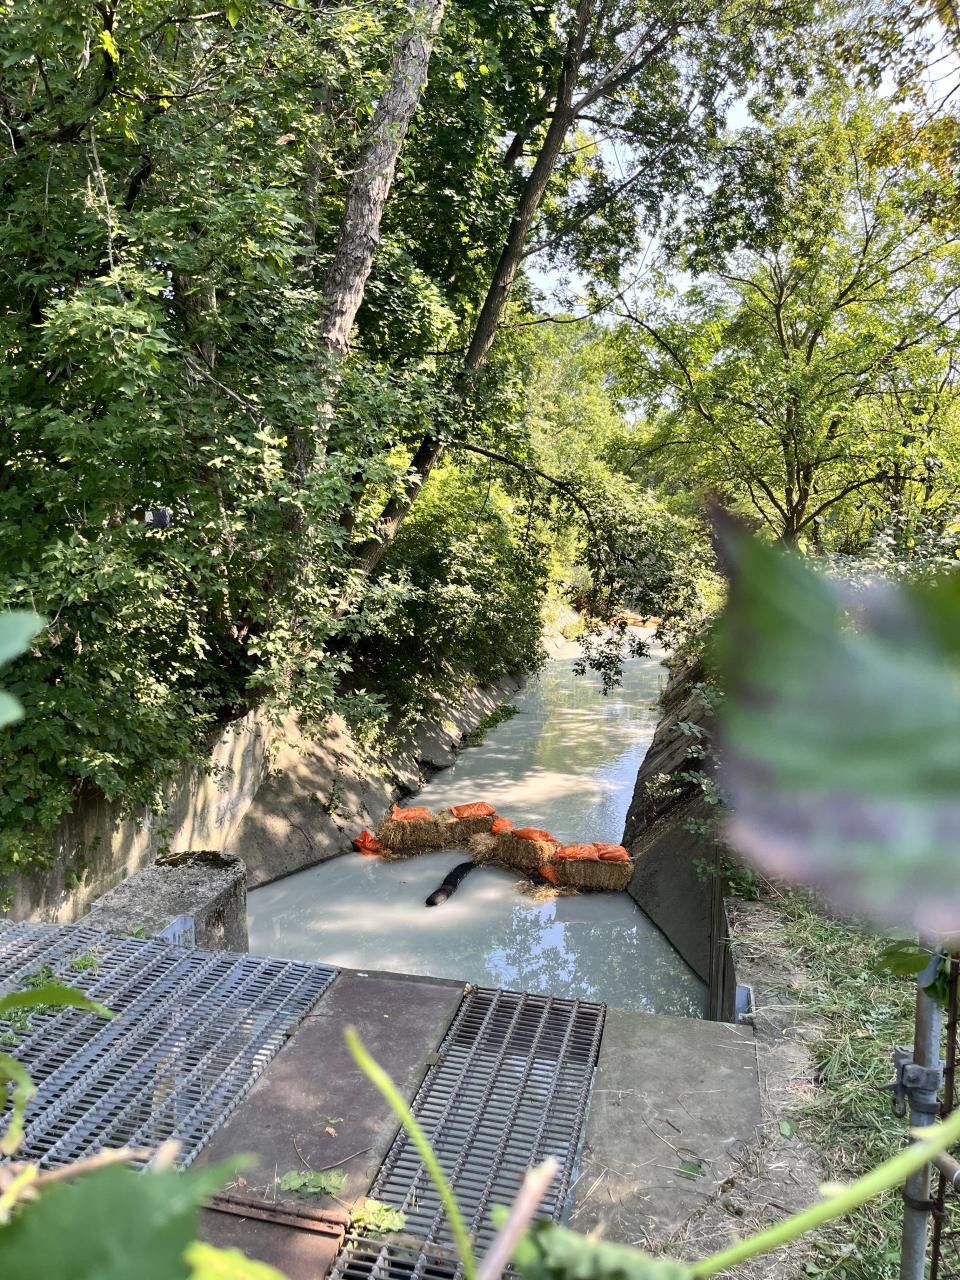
(497,716)
(863,1012)
(39,977)
(19,1023)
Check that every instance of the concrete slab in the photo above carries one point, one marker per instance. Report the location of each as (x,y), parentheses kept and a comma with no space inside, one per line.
(312,1109)
(675,1104)
(298,1253)
(210,887)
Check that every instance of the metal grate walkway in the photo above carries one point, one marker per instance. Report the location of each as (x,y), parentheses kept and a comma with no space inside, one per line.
(192,1032)
(510,1088)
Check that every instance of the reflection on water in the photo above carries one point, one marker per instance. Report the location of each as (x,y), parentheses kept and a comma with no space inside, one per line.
(568,762)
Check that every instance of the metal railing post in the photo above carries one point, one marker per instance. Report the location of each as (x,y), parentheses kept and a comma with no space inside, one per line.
(921,1082)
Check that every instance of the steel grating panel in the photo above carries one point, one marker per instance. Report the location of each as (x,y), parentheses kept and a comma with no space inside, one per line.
(365,1259)
(193,1030)
(509,1089)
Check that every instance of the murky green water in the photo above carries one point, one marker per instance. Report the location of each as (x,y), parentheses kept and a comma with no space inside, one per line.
(568,762)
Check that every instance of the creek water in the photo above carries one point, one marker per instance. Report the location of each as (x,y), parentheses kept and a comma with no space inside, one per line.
(566,761)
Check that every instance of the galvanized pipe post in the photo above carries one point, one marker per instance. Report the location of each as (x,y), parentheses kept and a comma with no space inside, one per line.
(921,1080)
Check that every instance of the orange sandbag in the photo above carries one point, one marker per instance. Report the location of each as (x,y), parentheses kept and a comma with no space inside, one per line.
(367,844)
(411,815)
(549,873)
(534,833)
(578,852)
(500,825)
(611,852)
(479,809)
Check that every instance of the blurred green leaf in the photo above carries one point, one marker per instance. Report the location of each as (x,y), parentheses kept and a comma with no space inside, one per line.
(208,1263)
(114,1224)
(841,735)
(903,958)
(17,1088)
(52,995)
(17,629)
(554,1253)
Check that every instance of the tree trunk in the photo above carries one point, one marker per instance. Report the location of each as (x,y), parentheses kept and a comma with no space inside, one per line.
(430,449)
(373,177)
(349,271)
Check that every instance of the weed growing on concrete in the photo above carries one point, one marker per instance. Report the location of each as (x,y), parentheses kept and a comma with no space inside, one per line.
(38,979)
(305,1182)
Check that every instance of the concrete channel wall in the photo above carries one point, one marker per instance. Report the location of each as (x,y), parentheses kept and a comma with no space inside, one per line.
(278,799)
(94,848)
(670,830)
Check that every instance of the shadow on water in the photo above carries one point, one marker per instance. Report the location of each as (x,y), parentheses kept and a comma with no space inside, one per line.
(567,761)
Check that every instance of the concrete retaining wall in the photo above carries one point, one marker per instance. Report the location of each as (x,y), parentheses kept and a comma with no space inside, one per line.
(203,892)
(94,848)
(670,830)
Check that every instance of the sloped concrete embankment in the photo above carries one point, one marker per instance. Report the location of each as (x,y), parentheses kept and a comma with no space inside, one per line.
(283,800)
(94,847)
(319,793)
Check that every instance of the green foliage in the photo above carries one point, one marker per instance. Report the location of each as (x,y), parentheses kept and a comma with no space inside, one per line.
(903,957)
(840,750)
(499,715)
(50,995)
(374,1218)
(553,1253)
(307,1183)
(470,577)
(859,1012)
(109,1225)
(738,881)
(39,976)
(174,186)
(617,545)
(805,378)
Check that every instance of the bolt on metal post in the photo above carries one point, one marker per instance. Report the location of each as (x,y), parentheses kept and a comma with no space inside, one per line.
(921,1080)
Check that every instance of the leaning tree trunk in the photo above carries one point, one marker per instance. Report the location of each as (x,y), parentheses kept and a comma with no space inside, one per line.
(349,271)
(373,177)
(430,449)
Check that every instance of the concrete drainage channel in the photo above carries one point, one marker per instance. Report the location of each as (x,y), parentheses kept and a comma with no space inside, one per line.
(231,1054)
(195,1031)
